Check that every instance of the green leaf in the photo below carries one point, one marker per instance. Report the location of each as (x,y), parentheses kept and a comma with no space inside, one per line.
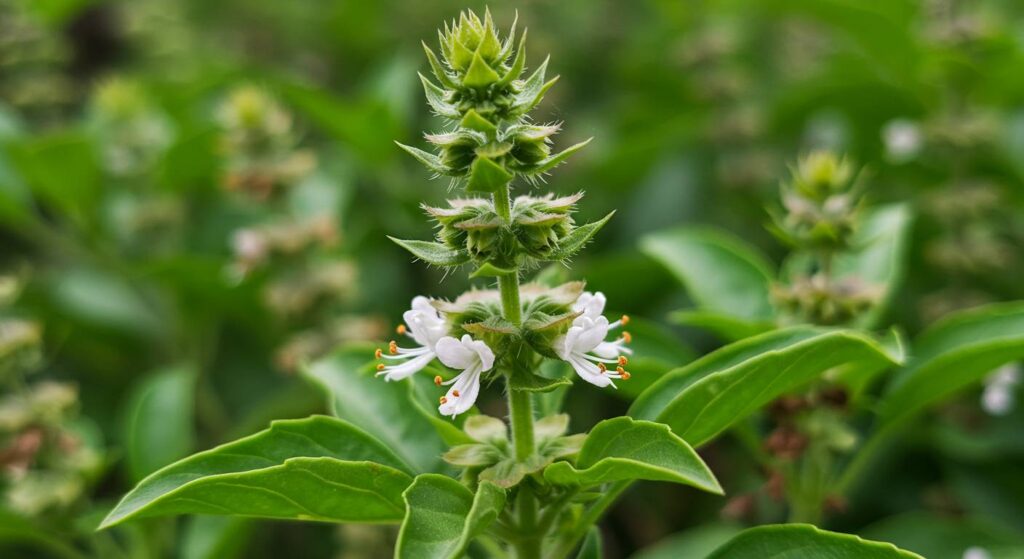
(435,66)
(431,161)
(443,517)
(487,176)
(954,353)
(625,449)
(557,159)
(73,185)
(695,542)
(721,273)
(882,242)
(319,468)
(216,537)
(591,548)
(433,253)
(159,426)
(389,411)
(797,541)
(704,398)
(435,98)
(577,239)
(727,327)
(937,536)
(518,64)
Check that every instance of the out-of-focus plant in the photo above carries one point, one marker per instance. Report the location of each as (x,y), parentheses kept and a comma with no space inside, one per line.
(47,463)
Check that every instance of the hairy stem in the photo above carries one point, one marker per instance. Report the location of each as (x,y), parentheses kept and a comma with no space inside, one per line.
(520,406)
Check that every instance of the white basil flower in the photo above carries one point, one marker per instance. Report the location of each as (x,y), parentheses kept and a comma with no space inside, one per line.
(592,306)
(472,357)
(426,327)
(580,345)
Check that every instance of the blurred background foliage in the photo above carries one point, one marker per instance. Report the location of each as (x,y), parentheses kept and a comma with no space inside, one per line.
(194,198)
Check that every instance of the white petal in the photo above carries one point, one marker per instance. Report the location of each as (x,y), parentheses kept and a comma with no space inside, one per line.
(593,333)
(455,354)
(589,372)
(422,304)
(483,352)
(611,350)
(562,346)
(467,384)
(425,328)
(407,369)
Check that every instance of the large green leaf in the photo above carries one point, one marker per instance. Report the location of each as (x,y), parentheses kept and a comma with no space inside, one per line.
(725,326)
(952,354)
(159,428)
(720,272)
(319,468)
(391,411)
(62,169)
(624,449)
(695,542)
(592,547)
(443,516)
(946,537)
(802,541)
(702,399)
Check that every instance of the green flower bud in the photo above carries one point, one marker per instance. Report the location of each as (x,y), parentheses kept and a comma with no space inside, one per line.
(820,204)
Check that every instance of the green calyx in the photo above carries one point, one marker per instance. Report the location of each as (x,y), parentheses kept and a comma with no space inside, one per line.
(547,313)
(540,229)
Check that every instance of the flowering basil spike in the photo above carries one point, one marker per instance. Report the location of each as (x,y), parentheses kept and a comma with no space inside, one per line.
(579,346)
(472,357)
(426,327)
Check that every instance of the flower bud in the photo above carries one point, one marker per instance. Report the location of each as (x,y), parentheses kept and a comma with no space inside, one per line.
(820,203)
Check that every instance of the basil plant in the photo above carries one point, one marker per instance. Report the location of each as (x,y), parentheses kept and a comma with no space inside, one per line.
(406,444)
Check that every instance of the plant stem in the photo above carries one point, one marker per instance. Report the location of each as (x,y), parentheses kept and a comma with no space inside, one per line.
(567,545)
(520,406)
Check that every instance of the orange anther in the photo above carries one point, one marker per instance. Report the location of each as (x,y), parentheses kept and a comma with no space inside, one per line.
(620,370)
(622,360)
(624,320)
(625,375)
(455,393)
(400,329)
(380,366)
(602,367)
(627,337)
(392,347)
(443,400)
(377,353)
(437,380)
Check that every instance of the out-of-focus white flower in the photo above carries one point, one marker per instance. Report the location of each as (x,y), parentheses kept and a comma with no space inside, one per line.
(975,552)
(998,398)
(473,357)
(903,140)
(426,327)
